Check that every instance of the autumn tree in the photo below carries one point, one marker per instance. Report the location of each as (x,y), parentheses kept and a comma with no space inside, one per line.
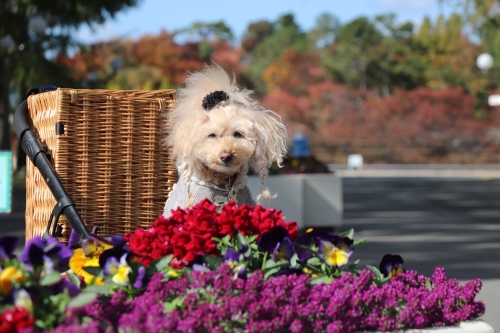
(287,34)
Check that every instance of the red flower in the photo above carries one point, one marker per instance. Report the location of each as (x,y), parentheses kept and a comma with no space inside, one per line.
(187,233)
(15,319)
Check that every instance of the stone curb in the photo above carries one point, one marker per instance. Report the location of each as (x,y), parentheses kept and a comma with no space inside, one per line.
(476,174)
(473,326)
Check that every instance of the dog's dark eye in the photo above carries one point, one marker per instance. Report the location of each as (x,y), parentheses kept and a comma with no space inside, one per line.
(237,135)
(212,135)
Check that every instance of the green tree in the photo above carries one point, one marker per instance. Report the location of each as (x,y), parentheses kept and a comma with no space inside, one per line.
(286,34)
(206,33)
(25,62)
(255,34)
(350,59)
(324,32)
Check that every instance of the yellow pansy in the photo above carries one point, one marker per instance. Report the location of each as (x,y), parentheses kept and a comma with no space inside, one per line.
(398,269)
(94,246)
(9,275)
(118,270)
(79,260)
(334,256)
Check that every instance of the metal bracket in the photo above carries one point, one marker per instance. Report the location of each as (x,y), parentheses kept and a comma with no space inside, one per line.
(56,212)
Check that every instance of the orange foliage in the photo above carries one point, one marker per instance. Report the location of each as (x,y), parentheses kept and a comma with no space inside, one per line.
(417,126)
(294,72)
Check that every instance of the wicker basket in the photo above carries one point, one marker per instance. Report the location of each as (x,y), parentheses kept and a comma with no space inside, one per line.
(108,154)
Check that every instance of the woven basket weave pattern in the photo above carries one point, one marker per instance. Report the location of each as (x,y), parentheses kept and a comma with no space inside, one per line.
(110,158)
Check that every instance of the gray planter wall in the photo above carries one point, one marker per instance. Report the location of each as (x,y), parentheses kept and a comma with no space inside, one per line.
(309,200)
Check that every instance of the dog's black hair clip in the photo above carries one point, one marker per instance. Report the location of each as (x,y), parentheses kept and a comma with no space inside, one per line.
(211,100)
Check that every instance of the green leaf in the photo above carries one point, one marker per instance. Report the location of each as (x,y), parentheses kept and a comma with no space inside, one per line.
(314,261)
(213,262)
(356,262)
(164,262)
(264,261)
(95,271)
(173,304)
(254,246)
(359,242)
(349,234)
(269,264)
(82,299)
(40,323)
(50,279)
(240,241)
(271,272)
(293,260)
(251,239)
(323,267)
(248,252)
(428,284)
(378,275)
(322,279)
(103,290)
(382,281)
(73,278)
(306,248)
(226,240)
(187,273)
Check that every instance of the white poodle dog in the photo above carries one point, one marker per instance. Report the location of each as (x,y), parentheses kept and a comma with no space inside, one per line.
(216,132)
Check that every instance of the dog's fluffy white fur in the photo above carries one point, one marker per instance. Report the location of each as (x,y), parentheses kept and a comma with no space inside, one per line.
(241,127)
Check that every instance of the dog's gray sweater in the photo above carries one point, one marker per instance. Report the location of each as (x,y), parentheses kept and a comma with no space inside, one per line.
(200,190)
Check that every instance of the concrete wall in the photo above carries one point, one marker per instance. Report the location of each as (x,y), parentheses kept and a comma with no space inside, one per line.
(310,200)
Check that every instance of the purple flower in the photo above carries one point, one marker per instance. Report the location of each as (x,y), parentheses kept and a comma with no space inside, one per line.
(285,303)
(118,248)
(233,259)
(7,246)
(199,264)
(232,256)
(48,252)
(75,240)
(141,278)
(391,265)
(67,286)
(277,242)
(313,237)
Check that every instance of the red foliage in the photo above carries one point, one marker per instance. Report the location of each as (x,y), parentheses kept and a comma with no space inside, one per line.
(15,319)
(161,51)
(416,126)
(189,232)
(227,56)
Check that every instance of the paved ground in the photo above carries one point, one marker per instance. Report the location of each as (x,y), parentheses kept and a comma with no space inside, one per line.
(454,223)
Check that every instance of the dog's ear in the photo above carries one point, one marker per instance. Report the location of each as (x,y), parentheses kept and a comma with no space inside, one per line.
(270,146)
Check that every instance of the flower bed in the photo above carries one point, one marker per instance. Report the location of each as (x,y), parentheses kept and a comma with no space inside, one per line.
(242,270)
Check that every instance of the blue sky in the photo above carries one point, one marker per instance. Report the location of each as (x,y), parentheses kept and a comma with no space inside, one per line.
(151,16)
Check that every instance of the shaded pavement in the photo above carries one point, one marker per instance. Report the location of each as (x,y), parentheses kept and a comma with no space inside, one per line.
(452,223)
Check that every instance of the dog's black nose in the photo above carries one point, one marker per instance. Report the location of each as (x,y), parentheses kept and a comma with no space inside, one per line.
(226,157)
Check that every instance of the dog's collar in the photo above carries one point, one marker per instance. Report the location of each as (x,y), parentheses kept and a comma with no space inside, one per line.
(238,184)
(208,184)
(232,193)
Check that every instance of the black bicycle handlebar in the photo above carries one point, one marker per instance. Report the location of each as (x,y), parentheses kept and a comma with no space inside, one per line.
(33,149)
